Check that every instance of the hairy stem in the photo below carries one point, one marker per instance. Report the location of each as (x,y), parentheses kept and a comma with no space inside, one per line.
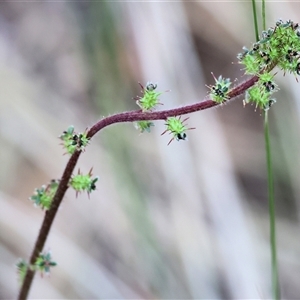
(47,223)
(130,116)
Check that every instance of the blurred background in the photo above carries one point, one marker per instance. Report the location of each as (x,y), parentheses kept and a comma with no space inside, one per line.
(184,221)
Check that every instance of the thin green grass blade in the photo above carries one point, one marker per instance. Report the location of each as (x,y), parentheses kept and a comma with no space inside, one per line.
(255,20)
(274,266)
(263,6)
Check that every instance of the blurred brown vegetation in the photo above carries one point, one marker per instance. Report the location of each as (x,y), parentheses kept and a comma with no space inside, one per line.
(189,220)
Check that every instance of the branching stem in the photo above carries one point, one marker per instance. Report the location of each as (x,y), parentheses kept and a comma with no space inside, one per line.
(130,116)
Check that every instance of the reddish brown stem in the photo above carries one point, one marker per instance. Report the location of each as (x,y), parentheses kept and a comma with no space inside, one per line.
(130,116)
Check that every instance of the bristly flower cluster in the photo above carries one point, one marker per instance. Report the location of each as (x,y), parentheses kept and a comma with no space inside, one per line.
(73,141)
(261,92)
(43,196)
(219,91)
(144,126)
(148,102)
(177,128)
(43,263)
(22,267)
(278,46)
(81,182)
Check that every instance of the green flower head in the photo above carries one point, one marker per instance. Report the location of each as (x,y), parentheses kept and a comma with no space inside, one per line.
(43,196)
(219,91)
(44,262)
(149,100)
(81,182)
(177,128)
(73,141)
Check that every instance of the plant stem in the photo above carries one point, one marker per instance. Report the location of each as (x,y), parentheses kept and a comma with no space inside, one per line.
(274,267)
(263,11)
(255,20)
(130,116)
(271,198)
(47,222)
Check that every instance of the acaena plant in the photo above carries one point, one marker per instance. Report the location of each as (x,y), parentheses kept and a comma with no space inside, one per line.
(279,46)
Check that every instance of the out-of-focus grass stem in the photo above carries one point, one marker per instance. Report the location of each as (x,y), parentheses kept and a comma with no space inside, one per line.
(274,265)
